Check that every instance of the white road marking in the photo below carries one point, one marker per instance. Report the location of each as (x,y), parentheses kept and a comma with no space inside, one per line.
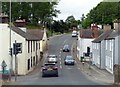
(60,59)
(60,62)
(61,66)
(59,55)
(78,68)
(64,42)
(69,68)
(60,52)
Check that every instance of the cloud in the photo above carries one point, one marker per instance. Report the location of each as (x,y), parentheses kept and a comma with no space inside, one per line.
(75,7)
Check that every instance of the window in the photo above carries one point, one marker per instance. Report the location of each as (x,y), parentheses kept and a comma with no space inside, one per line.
(34,61)
(36,45)
(110,45)
(31,46)
(39,45)
(31,61)
(28,64)
(28,46)
(106,44)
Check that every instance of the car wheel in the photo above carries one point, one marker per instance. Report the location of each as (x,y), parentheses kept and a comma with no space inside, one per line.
(43,75)
(65,63)
(56,75)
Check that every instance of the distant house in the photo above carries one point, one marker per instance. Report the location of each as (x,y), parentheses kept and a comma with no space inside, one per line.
(41,34)
(29,55)
(98,57)
(84,43)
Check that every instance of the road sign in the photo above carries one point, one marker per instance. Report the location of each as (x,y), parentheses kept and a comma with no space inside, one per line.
(4,64)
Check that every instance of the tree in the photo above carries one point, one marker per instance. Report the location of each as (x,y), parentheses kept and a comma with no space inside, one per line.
(71,22)
(31,11)
(103,13)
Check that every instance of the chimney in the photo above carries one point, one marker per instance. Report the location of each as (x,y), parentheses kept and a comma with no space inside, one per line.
(116,24)
(21,24)
(95,31)
(106,27)
(4,18)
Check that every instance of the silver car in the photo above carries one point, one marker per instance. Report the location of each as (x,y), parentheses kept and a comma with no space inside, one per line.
(69,60)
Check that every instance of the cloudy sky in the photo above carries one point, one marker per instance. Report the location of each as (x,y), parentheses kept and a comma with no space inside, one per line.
(75,8)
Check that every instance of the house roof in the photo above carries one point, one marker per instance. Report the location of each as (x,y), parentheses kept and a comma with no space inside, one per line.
(114,34)
(36,32)
(86,33)
(26,35)
(89,33)
(102,36)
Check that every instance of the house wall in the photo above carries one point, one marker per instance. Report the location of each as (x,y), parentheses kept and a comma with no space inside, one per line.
(45,39)
(5,45)
(102,55)
(32,55)
(96,54)
(84,43)
(117,50)
(109,55)
(22,58)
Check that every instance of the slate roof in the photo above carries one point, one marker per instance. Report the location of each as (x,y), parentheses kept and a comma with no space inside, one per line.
(36,32)
(102,36)
(114,34)
(26,35)
(88,33)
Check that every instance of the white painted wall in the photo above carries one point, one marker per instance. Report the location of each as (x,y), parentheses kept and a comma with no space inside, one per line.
(84,43)
(22,57)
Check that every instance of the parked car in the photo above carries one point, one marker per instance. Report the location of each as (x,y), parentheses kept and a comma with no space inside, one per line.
(69,60)
(49,69)
(66,48)
(52,58)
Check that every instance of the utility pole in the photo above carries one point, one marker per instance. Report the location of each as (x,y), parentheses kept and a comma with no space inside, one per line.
(15,52)
(11,60)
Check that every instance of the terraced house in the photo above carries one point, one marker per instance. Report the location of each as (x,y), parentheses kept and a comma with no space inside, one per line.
(30,45)
(106,48)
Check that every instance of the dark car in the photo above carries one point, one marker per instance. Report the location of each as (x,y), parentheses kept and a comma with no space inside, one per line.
(69,60)
(49,69)
(66,48)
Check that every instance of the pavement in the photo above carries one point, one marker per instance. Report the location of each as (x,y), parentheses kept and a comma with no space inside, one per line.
(96,74)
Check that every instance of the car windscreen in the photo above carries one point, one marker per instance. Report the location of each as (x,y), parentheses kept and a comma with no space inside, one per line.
(69,58)
(52,56)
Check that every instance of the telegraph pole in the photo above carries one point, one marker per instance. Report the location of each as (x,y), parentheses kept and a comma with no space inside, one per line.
(15,53)
(10,49)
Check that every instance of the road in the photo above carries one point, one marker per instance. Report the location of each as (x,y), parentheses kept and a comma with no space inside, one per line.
(68,75)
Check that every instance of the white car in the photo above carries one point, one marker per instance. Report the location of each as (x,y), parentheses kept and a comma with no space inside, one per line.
(74,34)
(52,59)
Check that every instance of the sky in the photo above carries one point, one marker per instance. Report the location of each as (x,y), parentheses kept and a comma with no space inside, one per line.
(75,8)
